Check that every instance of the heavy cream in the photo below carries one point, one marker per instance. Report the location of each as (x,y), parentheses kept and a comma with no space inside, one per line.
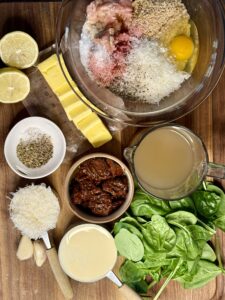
(87,253)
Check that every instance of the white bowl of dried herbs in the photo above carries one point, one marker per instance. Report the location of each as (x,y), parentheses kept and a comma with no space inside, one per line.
(35,148)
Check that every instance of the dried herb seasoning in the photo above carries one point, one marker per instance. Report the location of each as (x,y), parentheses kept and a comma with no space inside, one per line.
(35,152)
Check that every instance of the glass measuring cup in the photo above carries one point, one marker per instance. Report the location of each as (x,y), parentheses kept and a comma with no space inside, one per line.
(187,162)
(91,257)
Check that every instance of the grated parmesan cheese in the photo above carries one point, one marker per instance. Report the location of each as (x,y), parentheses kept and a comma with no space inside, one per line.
(150,75)
(34,210)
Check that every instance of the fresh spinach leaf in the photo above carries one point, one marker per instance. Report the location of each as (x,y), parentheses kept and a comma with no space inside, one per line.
(213,188)
(130,224)
(208,253)
(199,234)
(141,287)
(220,223)
(186,204)
(155,260)
(206,203)
(158,235)
(141,220)
(131,221)
(171,275)
(131,272)
(129,245)
(206,271)
(185,247)
(173,239)
(182,217)
(190,242)
(172,263)
(144,205)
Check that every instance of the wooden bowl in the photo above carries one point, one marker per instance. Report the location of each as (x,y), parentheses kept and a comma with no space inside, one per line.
(89,217)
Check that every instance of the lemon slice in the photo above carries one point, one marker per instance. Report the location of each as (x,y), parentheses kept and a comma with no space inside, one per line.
(14,85)
(18,49)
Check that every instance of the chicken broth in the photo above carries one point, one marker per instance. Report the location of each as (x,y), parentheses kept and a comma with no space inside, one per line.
(87,253)
(164,159)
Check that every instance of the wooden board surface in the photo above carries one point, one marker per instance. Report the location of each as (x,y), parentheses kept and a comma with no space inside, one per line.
(24,281)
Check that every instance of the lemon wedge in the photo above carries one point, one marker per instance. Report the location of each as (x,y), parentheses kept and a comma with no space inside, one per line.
(182,47)
(18,49)
(14,85)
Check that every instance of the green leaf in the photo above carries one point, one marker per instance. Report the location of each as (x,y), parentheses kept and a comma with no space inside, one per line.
(158,235)
(132,272)
(131,221)
(208,253)
(171,265)
(141,287)
(199,234)
(186,204)
(119,225)
(206,203)
(141,220)
(220,223)
(129,245)
(144,205)
(215,189)
(182,217)
(206,271)
(155,260)
(185,247)
(171,275)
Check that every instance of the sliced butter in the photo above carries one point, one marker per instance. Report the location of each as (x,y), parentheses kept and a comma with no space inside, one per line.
(82,116)
(94,130)
(67,99)
(79,112)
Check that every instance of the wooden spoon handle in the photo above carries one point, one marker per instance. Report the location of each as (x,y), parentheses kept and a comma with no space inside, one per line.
(60,276)
(128,293)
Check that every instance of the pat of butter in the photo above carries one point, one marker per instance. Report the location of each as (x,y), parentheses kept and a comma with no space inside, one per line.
(67,99)
(94,130)
(81,114)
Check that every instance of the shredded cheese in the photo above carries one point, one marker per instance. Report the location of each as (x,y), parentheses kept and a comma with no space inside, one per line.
(150,75)
(34,210)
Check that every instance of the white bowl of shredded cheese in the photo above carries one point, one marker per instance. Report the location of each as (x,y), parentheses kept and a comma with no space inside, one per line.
(35,148)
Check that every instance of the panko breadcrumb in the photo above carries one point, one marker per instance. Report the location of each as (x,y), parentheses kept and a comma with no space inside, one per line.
(161,19)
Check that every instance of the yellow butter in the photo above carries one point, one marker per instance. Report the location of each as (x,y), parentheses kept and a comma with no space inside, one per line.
(82,116)
(79,112)
(47,64)
(88,122)
(67,99)
(94,130)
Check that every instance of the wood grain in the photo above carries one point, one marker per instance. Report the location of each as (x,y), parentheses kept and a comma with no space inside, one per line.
(23,280)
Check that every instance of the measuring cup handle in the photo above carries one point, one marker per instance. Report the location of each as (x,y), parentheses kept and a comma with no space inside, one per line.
(128,293)
(216,171)
(60,276)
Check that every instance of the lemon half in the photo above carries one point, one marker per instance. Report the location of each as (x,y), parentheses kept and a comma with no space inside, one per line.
(14,85)
(18,49)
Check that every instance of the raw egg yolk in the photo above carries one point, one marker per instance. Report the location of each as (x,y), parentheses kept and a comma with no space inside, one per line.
(182,47)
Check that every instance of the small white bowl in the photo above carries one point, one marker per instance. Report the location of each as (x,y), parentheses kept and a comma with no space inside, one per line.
(13,139)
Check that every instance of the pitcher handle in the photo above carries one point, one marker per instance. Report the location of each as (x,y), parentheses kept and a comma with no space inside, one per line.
(129,153)
(216,171)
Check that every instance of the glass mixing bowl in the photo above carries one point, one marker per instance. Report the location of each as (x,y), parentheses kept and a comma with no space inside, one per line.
(209,17)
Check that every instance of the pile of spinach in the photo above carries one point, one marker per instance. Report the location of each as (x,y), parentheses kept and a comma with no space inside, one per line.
(170,239)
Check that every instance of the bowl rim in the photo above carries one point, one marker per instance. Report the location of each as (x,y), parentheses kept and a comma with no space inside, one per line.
(97,219)
(15,127)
